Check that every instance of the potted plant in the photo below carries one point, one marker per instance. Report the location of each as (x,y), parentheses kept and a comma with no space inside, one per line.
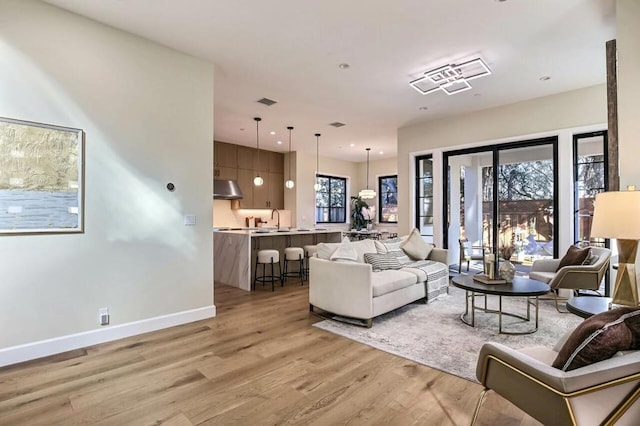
(358,221)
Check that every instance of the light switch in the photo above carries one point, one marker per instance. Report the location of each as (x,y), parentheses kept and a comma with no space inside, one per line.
(190,219)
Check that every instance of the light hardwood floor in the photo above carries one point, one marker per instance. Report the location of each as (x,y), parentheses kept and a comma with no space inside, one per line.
(259,362)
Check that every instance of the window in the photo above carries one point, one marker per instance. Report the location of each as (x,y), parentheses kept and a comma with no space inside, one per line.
(331,200)
(424,196)
(388,200)
(590,172)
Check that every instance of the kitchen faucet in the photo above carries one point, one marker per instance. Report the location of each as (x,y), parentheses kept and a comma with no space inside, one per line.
(276,211)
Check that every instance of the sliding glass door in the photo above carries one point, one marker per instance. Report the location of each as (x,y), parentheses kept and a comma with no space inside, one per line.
(503,196)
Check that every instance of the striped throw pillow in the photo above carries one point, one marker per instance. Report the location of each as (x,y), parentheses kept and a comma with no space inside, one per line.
(381,262)
(392,247)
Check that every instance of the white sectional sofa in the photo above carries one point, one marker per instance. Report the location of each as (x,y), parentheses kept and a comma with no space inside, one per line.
(342,282)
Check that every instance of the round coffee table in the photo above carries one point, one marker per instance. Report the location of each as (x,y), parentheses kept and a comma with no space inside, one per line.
(520,287)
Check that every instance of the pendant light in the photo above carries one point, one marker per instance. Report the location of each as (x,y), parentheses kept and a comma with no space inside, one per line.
(258,181)
(317,184)
(289,184)
(367,194)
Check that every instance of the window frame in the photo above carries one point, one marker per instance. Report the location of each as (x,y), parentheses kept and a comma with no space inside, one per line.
(419,180)
(381,202)
(344,199)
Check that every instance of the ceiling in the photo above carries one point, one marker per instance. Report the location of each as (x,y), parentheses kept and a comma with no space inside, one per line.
(290,51)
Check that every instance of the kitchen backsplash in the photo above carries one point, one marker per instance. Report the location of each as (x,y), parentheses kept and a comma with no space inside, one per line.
(225,216)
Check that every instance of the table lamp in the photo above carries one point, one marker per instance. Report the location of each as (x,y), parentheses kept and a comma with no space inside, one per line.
(616,215)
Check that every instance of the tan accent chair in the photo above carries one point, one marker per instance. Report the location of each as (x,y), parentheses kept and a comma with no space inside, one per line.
(602,393)
(469,253)
(573,277)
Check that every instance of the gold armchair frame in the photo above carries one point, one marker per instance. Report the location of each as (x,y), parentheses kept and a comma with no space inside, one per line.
(572,277)
(553,396)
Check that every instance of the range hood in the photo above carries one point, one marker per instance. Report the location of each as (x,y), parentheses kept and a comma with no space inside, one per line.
(226,190)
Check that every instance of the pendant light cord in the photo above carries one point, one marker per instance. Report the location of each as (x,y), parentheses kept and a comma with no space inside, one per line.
(290,129)
(258,119)
(317,154)
(368,149)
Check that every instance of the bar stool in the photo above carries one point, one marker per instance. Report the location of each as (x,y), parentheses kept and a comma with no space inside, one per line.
(309,251)
(294,254)
(264,258)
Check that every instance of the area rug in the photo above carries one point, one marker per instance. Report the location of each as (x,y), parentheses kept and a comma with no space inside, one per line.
(435,336)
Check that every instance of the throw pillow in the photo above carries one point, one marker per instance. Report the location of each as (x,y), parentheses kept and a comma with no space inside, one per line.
(574,256)
(600,337)
(415,246)
(381,262)
(345,252)
(392,247)
(325,250)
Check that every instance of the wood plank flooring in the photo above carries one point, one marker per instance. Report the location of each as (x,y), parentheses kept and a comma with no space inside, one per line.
(259,362)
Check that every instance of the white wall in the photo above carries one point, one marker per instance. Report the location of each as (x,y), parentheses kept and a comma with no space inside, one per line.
(628,37)
(561,115)
(148,116)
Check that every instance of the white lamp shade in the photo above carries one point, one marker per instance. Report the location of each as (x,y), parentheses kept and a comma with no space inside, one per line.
(258,181)
(616,214)
(367,194)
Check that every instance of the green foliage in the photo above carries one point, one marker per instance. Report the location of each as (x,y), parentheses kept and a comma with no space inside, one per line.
(358,221)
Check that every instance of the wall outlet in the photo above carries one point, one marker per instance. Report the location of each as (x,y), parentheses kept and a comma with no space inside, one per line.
(103,316)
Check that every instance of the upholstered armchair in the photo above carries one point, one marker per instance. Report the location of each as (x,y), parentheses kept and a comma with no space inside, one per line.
(572,277)
(469,253)
(601,393)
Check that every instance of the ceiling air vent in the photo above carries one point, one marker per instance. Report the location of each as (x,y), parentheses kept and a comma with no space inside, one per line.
(337,124)
(267,101)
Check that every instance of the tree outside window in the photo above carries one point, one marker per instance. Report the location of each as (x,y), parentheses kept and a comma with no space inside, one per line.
(331,199)
(388,199)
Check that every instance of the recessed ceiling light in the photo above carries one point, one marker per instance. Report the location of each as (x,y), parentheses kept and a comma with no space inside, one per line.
(352,145)
(272,132)
(545,78)
(423,108)
(381,152)
(279,142)
(242,129)
(344,66)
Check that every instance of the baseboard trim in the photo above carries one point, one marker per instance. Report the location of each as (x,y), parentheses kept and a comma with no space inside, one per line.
(30,351)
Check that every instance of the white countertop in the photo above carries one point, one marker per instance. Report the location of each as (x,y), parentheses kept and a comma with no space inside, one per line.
(261,232)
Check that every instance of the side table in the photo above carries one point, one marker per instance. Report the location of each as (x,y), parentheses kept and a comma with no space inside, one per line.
(586,306)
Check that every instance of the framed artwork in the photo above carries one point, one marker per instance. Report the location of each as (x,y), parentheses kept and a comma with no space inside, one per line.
(41,178)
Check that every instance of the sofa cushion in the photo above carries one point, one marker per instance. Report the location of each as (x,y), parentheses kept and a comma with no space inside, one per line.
(325,250)
(574,256)
(345,252)
(600,337)
(415,246)
(392,246)
(384,282)
(382,262)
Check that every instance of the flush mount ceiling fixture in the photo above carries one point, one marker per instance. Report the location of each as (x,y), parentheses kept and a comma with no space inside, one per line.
(451,79)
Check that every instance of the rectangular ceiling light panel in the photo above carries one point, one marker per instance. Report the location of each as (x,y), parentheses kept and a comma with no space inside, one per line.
(451,79)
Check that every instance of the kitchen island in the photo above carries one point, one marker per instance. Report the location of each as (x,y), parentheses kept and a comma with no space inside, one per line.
(234,252)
